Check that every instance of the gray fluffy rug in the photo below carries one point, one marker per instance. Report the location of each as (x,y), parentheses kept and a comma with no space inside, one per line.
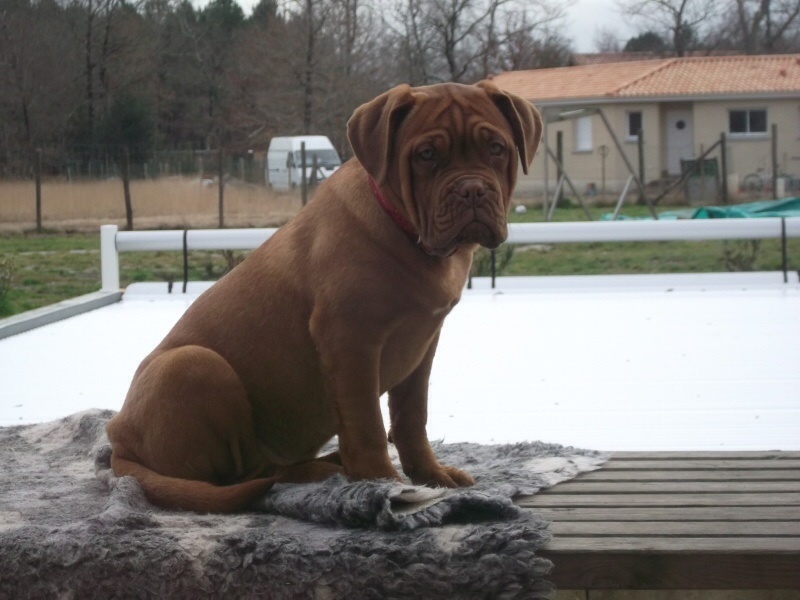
(70,529)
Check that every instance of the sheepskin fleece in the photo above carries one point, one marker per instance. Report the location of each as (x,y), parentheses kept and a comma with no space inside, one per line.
(70,529)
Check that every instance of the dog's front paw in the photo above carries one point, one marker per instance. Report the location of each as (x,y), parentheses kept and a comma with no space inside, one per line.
(442,476)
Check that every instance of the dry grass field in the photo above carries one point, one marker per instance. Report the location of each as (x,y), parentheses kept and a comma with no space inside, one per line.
(170,202)
(64,260)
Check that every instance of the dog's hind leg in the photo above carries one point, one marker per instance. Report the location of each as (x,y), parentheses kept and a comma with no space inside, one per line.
(187,417)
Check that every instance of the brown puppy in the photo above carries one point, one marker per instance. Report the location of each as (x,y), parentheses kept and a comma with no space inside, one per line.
(345,302)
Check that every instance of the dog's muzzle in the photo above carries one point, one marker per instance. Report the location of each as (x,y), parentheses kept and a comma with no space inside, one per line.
(472,213)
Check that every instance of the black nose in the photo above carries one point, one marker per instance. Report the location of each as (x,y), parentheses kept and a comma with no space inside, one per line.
(472,189)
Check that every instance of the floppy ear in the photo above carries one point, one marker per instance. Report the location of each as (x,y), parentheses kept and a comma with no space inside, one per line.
(525,121)
(372,126)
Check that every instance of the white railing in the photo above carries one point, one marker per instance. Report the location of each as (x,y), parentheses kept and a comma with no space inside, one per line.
(113,241)
(653,231)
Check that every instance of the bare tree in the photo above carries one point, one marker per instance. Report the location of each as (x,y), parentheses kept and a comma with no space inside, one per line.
(206,45)
(531,40)
(17,43)
(353,64)
(607,40)
(415,41)
(201,77)
(310,18)
(681,21)
(37,73)
(95,27)
(465,40)
(765,25)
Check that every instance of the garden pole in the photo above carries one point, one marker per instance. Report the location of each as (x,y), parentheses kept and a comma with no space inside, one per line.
(723,154)
(38,177)
(303,176)
(774,161)
(221,176)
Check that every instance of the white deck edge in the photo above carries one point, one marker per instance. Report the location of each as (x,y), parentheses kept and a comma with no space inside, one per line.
(56,312)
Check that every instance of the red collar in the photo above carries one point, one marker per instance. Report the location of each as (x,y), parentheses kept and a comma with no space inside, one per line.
(399,220)
(395,214)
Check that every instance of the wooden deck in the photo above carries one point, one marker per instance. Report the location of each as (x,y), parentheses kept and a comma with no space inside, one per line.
(677,520)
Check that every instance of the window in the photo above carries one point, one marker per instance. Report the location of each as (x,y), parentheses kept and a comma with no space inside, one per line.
(745,122)
(634,124)
(583,134)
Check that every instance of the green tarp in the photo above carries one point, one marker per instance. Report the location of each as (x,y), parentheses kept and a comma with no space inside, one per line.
(788,207)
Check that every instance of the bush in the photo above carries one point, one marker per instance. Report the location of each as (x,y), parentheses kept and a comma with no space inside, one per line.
(482,260)
(740,255)
(231,259)
(6,276)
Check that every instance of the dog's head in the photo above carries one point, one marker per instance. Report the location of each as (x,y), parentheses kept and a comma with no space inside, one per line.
(447,156)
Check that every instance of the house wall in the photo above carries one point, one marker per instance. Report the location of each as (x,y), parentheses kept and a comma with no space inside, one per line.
(746,153)
(753,152)
(587,168)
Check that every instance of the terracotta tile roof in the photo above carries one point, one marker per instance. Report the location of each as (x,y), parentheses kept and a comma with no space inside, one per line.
(673,77)
(594,58)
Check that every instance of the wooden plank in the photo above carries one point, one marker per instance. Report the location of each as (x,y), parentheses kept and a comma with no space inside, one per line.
(673,487)
(735,455)
(677,520)
(663,528)
(553,498)
(718,475)
(682,514)
(700,464)
(637,571)
(675,544)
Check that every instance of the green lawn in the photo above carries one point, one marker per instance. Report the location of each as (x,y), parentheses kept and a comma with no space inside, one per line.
(49,267)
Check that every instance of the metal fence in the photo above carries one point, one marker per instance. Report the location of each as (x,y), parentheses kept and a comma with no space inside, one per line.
(102,162)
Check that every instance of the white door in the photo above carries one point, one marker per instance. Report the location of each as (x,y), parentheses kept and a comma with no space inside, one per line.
(680,138)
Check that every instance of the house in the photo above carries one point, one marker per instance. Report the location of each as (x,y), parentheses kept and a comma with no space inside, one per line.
(680,106)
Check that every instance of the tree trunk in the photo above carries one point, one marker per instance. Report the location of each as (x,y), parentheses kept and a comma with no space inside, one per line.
(126,187)
(308,91)
(89,67)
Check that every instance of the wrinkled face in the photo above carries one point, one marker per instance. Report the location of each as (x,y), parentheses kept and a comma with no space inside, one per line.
(457,164)
(446,157)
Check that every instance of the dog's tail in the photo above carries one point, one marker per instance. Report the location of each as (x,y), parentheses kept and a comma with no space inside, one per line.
(187,494)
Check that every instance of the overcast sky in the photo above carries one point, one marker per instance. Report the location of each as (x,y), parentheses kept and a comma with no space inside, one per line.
(584,19)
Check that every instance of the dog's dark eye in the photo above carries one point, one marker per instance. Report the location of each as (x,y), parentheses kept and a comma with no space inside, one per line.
(425,154)
(496,148)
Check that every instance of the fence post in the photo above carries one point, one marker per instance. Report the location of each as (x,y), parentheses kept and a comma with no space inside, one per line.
(38,176)
(640,146)
(603,154)
(303,176)
(723,157)
(559,169)
(109,258)
(546,191)
(221,177)
(126,186)
(314,167)
(774,161)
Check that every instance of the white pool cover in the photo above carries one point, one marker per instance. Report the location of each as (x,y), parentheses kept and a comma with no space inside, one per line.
(704,362)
